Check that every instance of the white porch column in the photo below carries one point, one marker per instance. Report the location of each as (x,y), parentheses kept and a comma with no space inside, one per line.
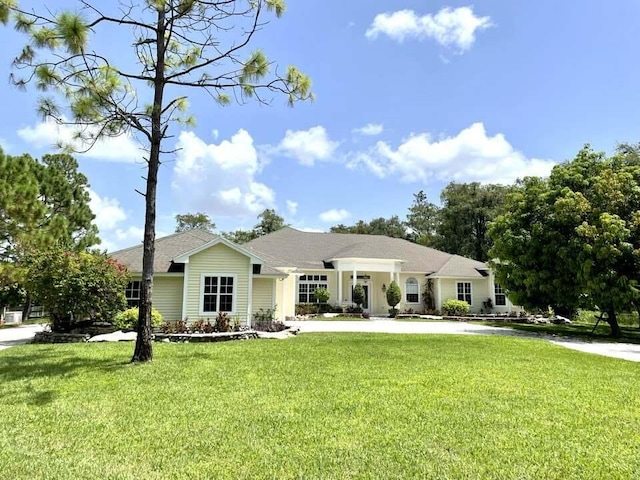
(354,281)
(339,287)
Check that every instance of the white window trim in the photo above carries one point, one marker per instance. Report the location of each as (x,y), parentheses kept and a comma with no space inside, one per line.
(470,290)
(126,290)
(234,297)
(406,291)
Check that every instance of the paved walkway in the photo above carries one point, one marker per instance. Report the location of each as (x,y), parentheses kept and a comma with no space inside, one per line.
(625,351)
(18,335)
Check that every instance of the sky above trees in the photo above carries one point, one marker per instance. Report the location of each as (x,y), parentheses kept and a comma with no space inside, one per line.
(409,96)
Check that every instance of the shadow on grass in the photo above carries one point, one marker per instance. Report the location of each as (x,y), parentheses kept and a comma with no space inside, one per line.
(579,331)
(23,372)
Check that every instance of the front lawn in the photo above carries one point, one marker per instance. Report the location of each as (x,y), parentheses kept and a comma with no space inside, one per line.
(328,406)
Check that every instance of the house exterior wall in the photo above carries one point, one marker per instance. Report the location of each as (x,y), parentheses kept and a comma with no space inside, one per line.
(481,289)
(262,294)
(167,297)
(218,260)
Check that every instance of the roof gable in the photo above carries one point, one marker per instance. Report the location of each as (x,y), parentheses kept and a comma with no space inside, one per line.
(184,258)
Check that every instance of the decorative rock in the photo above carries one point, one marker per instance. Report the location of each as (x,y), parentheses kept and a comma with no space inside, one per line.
(118,336)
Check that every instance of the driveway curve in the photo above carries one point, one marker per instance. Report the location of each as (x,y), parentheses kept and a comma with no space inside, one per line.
(624,351)
(18,335)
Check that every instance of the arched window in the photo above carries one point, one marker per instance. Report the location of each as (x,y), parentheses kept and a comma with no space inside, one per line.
(411,290)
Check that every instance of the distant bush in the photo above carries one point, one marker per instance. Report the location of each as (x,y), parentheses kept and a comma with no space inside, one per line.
(456,308)
(128,319)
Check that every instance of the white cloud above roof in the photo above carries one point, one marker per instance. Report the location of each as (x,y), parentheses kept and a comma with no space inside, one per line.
(471,155)
(334,215)
(308,146)
(370,129)
(292,207)
(454,28)
(220,178)
(49,134)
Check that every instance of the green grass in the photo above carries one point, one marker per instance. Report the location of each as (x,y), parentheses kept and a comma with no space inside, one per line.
(576,329)
(325,406)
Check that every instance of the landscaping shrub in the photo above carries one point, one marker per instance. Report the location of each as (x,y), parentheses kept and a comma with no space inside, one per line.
(128,319)
(353,309)
(358,295)
(394,295)
(455,307)
(223,323)
(322,294)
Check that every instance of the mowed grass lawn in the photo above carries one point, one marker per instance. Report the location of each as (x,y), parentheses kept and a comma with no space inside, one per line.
(328,406)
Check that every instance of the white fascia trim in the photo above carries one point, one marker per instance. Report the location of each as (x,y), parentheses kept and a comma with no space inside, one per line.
(185,291)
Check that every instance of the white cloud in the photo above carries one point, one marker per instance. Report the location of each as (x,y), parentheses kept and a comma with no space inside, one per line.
(310,229)
(471,155)
(334,215)
(454,28)
(292,207)
(308,146)
(49,134)
(370,129)
(220,179)
(107,210)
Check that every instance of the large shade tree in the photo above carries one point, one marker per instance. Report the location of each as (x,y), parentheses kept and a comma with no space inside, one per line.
(175,46)
(574,240)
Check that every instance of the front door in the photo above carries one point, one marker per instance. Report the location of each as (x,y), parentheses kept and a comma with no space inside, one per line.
(365,305)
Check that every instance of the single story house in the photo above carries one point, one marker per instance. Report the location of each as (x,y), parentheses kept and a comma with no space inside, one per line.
(198,274)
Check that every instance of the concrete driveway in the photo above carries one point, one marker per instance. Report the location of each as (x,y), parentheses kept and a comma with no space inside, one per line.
(18,335)
(625,351)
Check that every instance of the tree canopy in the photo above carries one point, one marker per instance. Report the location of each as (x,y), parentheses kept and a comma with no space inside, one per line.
(191,221)
(573,240)
(176,46)
(269,222)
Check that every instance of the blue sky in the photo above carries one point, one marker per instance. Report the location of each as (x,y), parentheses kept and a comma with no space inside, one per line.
(410,95)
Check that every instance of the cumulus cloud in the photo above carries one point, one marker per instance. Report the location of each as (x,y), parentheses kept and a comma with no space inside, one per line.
(452,28)
(471,155)
(220,179)
(292,207)
(334,215)
(49,134)
(370,129)
(308,146)
(107,210)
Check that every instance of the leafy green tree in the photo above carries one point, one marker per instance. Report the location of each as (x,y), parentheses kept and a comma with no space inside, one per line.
(423,219)
(573,239)
(391,227)
(270,222)
(322,295)
(358,295)
(240,236)
(177,46)
(44,203)
(191,221)
(74,286)
(467,209)
(394,295)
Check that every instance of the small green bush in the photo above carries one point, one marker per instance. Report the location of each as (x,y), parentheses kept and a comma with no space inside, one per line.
(322,294)
(128,319)
(456,308)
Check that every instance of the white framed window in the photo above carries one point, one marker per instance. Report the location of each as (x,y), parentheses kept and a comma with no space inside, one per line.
(501,297)
(412,291)
(307,285)
(217,294)
(464,292)
(132,293)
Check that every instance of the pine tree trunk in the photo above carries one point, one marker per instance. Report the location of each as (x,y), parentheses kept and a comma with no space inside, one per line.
(612,320)
(26,308)
(144,350)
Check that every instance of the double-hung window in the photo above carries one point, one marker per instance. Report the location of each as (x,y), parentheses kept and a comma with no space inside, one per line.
(307,285)
(411,290)
(218,293)
(464,292)
(501,297)
(132,293)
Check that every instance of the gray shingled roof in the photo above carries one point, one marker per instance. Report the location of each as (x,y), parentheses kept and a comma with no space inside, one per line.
(167,248)
(293,248)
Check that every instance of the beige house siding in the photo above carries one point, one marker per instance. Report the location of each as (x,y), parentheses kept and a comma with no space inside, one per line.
(167,297)
(218,260)
(479,291)
(262,294)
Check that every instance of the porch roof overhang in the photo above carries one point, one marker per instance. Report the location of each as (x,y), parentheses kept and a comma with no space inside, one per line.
(367,264)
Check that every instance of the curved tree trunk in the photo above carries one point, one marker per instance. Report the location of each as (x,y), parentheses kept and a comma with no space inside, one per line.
(26,308)
(612,320)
